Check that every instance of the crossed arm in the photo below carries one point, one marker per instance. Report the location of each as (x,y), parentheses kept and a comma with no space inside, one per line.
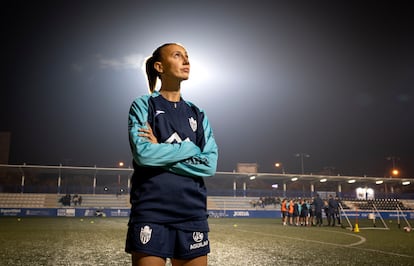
(184,158)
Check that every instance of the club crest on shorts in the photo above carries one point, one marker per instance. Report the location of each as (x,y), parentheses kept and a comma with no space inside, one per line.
(145,235)
(198,236)
(193,123)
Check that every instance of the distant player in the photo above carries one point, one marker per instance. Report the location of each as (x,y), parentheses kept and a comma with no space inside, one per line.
(284,211)
(304,212)
(318,205)
(333,210)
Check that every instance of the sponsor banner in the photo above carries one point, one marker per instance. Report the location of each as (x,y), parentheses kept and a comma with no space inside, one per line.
(243,214)
(11,212)
(69,212)
(64,212)
(119,213)
(40,212)
(217,214)
(102,212)
(86,212)
(384,215)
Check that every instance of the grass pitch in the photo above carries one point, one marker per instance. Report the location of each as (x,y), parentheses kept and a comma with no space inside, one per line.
(100,241)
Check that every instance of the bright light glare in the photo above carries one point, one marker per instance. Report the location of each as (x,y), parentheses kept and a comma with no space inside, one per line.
(365,193)
(253,177)
(294,179)
(406,183)
(323,180)
(379,182)
(199,73)
(395,172)
(351,181)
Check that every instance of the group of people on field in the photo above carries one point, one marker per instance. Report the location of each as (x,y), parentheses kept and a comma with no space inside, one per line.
(309,212)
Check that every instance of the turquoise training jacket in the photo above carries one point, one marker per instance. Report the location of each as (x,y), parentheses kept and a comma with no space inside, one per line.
(167,184)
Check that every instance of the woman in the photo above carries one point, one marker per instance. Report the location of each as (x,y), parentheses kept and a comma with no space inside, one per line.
(173,148)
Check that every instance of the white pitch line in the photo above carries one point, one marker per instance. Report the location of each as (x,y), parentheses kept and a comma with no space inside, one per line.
(362,240)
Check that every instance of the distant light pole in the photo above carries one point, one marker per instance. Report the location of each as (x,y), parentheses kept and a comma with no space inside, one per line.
(394,170)
(280,165)
(301,156)
(120,164)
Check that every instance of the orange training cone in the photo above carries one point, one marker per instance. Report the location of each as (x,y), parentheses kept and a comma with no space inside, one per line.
(356,228)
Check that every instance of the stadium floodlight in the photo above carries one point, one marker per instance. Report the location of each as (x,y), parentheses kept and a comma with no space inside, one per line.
(280,166)
(395,172)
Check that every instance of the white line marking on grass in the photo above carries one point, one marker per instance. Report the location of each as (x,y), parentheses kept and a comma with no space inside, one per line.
(362,240)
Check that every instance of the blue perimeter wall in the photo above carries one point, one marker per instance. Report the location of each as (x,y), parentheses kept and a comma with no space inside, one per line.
(124,212)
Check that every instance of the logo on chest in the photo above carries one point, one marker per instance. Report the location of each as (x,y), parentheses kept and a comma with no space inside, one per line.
(193,123)
(175,137)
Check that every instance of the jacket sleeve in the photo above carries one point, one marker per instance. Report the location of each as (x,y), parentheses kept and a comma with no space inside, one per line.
(203,164)
(146,153)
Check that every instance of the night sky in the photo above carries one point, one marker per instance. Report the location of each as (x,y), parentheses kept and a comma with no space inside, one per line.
(332,79)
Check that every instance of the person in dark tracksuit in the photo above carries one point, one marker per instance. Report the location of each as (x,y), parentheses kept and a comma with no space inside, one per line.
(333,209)
(318,205)
(296,211)
(337,216)
(304,212)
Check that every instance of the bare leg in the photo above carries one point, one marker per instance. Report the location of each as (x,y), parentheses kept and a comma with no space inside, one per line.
(141,259)
(199,261)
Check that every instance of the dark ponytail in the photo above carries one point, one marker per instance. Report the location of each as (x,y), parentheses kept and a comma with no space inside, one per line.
(152,73)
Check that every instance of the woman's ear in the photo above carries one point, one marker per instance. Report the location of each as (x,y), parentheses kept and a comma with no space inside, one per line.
(158,67)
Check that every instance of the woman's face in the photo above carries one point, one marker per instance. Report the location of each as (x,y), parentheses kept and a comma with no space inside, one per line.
(174,62)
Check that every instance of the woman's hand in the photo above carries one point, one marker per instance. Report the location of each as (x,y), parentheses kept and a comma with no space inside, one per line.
(147,133)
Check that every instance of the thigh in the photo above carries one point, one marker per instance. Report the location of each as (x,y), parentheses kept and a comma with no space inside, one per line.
(199,261)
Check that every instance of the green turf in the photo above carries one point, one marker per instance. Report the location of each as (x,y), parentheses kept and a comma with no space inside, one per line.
(100,241)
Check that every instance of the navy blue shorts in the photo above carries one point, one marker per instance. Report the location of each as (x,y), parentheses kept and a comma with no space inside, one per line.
(166,242)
